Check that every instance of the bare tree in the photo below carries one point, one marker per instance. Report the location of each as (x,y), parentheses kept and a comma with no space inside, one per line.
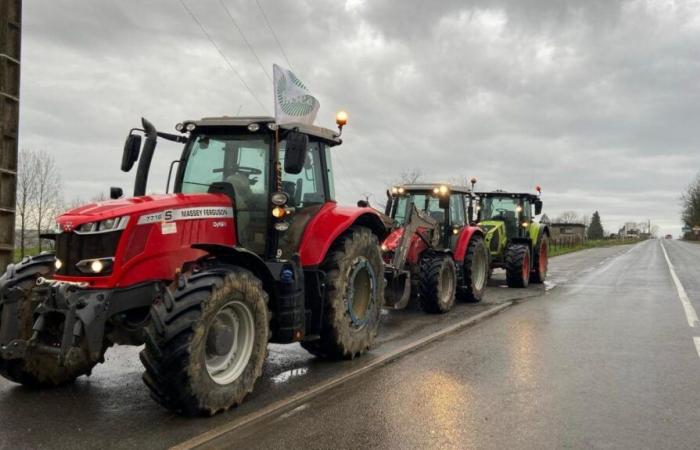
(48,197)
(409,176)
(26,194)
(568,217)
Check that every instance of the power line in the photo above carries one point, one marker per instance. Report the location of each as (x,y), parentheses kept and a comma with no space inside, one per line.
(250,47)
(279,44)
(218,49)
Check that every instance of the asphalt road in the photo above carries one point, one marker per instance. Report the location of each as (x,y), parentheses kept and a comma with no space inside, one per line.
(600,356)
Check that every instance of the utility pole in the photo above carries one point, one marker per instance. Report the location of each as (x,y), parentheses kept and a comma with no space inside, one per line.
(10,40)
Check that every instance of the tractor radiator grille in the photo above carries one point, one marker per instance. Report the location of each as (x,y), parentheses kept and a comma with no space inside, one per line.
(72,248)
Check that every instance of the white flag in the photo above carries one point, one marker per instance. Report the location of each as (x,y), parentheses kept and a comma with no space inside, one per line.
(293,101)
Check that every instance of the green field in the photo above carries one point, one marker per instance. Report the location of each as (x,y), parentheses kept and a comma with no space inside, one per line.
(556,250)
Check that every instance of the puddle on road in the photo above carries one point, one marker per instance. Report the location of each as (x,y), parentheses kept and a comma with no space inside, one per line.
(549,285)
(289,374)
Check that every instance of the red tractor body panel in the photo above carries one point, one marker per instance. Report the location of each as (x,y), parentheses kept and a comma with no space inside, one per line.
(330,222)
(465,237)
(158,237)
(415,248)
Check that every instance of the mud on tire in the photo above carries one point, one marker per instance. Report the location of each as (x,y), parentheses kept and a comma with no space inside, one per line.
(178,352)
(476,271)
(35,369)
(354,296)
(517,265)
(438,283)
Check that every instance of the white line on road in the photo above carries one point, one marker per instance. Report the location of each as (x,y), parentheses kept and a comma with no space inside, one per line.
(697,344)
(690,313)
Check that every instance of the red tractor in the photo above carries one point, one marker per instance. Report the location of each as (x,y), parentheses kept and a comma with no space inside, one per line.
(434,253)
(250,248)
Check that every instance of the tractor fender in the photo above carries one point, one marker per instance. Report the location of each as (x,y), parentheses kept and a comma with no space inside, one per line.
(537,230)
(330,222)
(244,258)
(463,242)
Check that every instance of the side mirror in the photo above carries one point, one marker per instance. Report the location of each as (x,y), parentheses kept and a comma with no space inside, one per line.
(538,207)
(295,152)
(115,192)
(132,147)
(362,204)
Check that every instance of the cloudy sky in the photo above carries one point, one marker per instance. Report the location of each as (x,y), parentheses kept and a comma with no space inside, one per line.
(596,100)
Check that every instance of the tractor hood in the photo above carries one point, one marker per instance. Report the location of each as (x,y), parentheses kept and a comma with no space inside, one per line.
(146,208)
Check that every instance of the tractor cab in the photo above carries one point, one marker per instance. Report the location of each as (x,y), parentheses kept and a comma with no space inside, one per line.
(515,211)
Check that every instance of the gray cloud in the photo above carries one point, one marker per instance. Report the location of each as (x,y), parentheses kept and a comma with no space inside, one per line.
(597,101)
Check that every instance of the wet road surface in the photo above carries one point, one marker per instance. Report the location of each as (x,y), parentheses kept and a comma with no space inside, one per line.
(605,360)
(494,365)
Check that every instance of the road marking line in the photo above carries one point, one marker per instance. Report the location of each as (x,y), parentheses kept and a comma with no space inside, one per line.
(690,313)
(697,344)
(304,396)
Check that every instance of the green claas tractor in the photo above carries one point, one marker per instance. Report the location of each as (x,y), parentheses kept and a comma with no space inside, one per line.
(517,243)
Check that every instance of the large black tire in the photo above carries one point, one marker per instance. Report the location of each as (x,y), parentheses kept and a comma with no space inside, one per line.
(178,342)
(540,261)
(437,286)
(36,369)
(354,296)
(476,271)
(517,265)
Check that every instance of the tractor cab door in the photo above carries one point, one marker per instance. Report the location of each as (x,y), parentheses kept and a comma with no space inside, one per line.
(457,218)
(308,191)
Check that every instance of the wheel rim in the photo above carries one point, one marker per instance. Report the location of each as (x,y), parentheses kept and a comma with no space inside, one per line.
(447,284)
(526,267)
(229,343)
(479,270)
(361,293)
(543,258)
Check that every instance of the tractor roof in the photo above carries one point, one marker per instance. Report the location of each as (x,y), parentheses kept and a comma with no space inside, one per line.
(500,193)
(329,136)
(431,186)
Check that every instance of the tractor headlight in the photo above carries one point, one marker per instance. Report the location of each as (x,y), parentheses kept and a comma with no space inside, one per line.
(525,224)
(278,212)
(96,266)
(518,208)
(103,226)
(253,127)
(180,126)
(58,264)
(190,127)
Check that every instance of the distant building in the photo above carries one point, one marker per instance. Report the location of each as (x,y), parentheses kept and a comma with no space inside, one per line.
(567,233)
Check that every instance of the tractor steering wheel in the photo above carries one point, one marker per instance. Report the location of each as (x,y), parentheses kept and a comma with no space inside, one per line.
(248,170)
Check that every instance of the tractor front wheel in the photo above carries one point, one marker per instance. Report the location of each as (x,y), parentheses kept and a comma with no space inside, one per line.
(354,296)
(206,344)
(517,265)
(476,270)
(36,369)
(540,261)
(438,283)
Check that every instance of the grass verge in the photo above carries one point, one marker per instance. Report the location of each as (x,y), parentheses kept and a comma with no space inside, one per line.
(555,250)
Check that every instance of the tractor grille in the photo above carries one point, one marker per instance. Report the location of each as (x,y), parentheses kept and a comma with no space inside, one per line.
(72,248)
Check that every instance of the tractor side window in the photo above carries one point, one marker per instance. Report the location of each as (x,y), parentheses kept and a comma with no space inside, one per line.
(305,188)
(456,210)
(204,157)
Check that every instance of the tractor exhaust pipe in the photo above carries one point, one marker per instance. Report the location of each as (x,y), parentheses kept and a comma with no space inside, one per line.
(146,156)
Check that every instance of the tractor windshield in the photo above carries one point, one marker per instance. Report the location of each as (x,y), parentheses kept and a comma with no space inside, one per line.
(499,208)
(241,160)
(424,202)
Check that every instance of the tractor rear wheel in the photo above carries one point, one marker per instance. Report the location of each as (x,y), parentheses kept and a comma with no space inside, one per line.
(438,283)
(517,265)
(36,369)
(206,344)
(354,296)
(476,270)
(540,261)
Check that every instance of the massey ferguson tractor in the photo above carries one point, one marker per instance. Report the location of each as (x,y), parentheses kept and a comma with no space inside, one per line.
(516,242)
(250,248)
(433,253)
